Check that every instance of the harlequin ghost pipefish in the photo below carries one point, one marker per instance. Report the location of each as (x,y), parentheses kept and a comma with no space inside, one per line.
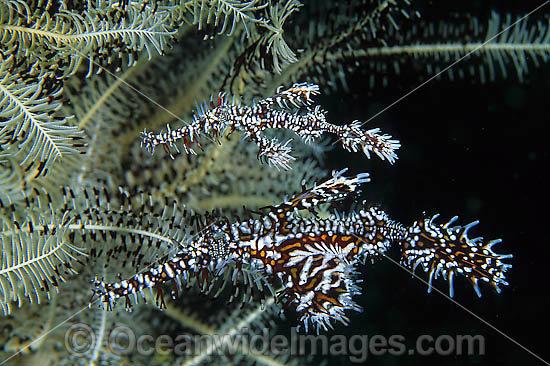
(315,259)
(280,111)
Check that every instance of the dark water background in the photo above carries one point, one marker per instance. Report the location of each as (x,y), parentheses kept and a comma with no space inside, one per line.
(477,151)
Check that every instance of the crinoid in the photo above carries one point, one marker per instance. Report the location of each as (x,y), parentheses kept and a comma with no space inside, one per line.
(255,217)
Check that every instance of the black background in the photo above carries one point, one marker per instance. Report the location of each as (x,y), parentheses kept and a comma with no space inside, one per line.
(479,151)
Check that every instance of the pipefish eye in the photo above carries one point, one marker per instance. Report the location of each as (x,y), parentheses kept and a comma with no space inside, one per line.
(219,236)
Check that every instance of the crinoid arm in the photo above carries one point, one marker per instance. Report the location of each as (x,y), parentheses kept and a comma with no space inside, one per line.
(280,111)
(447,250)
